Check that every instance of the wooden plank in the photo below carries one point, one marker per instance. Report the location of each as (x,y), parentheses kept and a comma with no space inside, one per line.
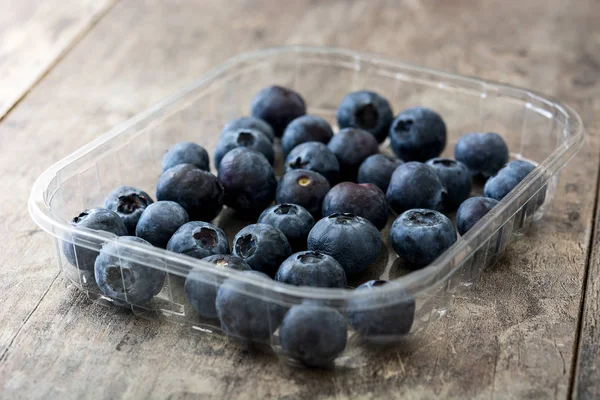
(513,336)
(34,35)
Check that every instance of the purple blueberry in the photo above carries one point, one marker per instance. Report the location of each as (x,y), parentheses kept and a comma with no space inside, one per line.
(199,240)
(125,281)
(378,169)
(352,240)
(366,110)
(293,220)
(250,123)
(420,236)
(312,268)
(415,185)
(262,246)
(201,287)
(305,188)
(314,156)
(418,134)
(199,192)
(455,177)
(307,128)
(313,334)
(362,199)
(471,211)
(352,146)
(129,203)
(278,106)
(249,180)
(248,138)
(186,153)
(160,221)
(482,153)
(507,179)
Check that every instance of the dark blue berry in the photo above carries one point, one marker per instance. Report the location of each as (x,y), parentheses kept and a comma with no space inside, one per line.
(366,110)
(201,287)
(352,146)
(507,179)
(314,156)
(455,177)
(353,241)
(293,220)
(262,246)
(378,169)
(125,281)
(160,221)
(198,191)
(313,334)
(312,268)
(415,185)
(186,153)
(418,134)
(251,139)
(278,106)
(307,128)
(249,180)
(471,211)
(129,203)
(199,240)
(482,153)
(305,188)
(420,236)
(362,199)
(250,123)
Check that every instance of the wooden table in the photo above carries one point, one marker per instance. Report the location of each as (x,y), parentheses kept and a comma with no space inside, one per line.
(72,69)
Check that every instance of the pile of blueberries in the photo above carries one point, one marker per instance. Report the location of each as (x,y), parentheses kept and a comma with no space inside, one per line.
(330,205)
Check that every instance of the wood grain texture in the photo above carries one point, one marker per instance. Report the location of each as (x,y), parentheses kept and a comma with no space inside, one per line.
(33,36)
(512,336)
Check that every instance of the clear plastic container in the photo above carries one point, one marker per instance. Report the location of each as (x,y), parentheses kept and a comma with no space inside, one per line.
(535,128)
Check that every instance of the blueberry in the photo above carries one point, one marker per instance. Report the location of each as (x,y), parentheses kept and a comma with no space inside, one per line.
(201,287)
(129,203)
(186,153)
(455,177)
(363,199)
(278,106)
(415,185)
(305,188)
(507,179)
(125,281)
(198,191)
(377,169)
(353,241)
(262,246)
(311,268)
(314,156)
(471,211)
(482,153)
(199,240)
(380,317)
(249,180)
(420,236)
(307,128)
(293,220)
(243,311)
(250,123)
(251,139)
(352,146)
(418,134)
(366,110)
(160,221)
(313,334)
(99,219)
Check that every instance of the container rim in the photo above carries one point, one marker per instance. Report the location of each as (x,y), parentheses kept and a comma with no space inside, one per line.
(413,283)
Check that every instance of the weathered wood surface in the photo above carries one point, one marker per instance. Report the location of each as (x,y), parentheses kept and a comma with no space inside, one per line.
(33,36)
(513,336)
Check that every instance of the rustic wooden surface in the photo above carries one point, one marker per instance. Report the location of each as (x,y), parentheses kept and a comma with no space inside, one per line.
(516,335)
